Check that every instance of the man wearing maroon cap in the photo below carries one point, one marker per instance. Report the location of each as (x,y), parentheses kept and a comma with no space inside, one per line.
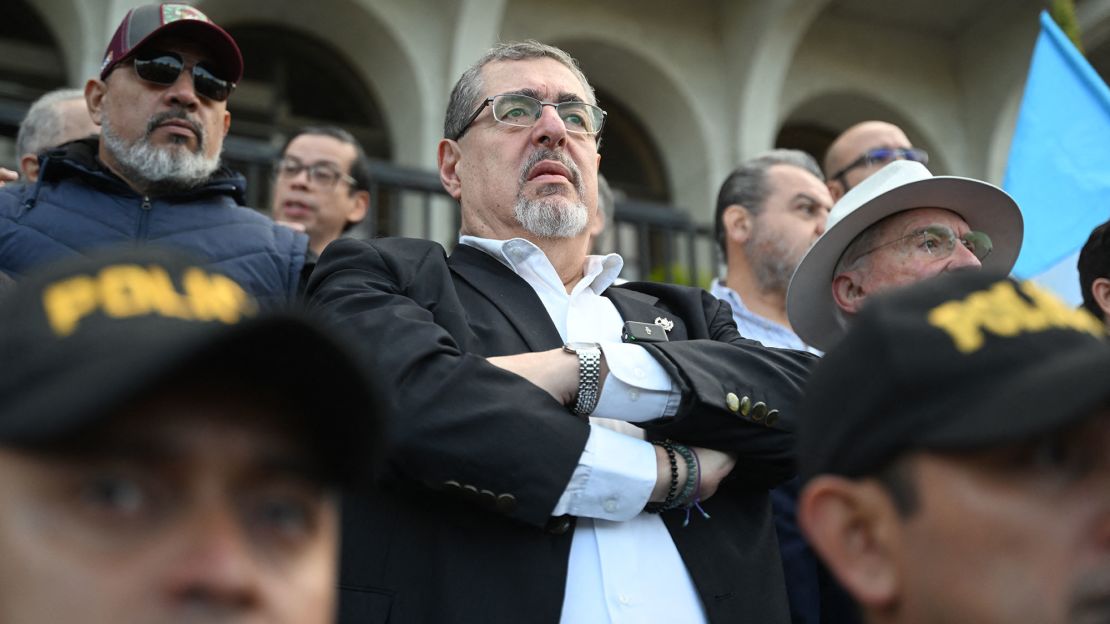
(154,175)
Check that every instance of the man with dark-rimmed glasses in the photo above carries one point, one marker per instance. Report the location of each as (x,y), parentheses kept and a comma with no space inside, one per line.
(863,149)
(554,433)
(154,174)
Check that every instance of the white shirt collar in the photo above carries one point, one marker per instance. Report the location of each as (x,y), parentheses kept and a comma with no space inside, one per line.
(522,256)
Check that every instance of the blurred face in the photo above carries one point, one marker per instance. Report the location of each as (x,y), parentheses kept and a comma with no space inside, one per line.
(856,143)
(153,132)
(535,182)
(188,508)
(792,218)
(324,209)
(893,264)
(1019,534)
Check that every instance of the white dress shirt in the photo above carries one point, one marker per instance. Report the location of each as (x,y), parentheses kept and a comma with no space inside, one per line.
(623,565)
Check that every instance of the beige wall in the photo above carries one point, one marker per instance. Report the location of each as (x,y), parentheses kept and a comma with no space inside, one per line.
(713,81)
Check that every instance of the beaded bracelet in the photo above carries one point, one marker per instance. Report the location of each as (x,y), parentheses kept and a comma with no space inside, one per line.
(668,502)
(693,478)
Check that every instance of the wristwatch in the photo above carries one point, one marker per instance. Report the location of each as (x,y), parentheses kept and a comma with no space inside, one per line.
(589,375)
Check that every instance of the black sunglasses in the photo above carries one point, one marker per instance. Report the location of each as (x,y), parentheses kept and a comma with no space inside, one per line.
(163,68)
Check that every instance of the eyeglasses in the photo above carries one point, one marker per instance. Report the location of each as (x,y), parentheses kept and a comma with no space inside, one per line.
(320,174)
(163,68)
(515,109)
(939,241)
(882,156)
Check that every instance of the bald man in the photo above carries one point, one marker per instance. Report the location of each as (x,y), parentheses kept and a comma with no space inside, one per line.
(862,150)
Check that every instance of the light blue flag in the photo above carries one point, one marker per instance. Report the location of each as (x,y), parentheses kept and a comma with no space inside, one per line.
(1059,165)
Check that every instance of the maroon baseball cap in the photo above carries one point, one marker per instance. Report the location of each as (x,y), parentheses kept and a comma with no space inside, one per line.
(142,23)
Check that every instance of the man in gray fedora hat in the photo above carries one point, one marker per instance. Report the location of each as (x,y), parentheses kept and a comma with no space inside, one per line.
(898,227)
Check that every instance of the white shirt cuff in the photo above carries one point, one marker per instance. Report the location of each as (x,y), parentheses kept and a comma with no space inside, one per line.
(637,389)
(613,480)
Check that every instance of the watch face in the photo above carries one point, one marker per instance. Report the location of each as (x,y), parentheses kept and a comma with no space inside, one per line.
(574,347)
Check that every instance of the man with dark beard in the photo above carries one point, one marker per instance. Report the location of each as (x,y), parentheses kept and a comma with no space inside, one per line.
(769,211)
(154,175)
(543,466)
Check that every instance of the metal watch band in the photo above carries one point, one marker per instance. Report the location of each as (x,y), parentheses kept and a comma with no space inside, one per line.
(589,377)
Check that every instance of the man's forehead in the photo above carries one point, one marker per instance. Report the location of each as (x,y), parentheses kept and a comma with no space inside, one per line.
(546,76)
(917,217)
(173,43)
(318,147)
(794,179)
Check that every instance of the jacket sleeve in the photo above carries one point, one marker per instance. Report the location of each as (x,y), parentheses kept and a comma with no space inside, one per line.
(737,395)
(457,424)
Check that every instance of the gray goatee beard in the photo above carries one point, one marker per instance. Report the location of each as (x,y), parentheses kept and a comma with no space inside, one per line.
(159,170)
(550,215)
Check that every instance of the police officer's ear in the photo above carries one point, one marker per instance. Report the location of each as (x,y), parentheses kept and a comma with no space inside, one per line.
(737,222)
(854,527)
(1100,291)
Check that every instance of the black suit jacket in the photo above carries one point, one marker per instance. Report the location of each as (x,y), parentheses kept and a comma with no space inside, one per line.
(461,529)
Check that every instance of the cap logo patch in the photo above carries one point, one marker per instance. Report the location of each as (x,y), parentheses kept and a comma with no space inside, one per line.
(129,290)
(1003,312)
(176,12)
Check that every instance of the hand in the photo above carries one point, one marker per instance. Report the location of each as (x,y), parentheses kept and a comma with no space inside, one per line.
(714,465)
(7,175)
(554,371)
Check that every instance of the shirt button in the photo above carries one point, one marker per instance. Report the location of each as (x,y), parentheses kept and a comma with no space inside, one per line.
(610,505)
(633,395)
(623,598)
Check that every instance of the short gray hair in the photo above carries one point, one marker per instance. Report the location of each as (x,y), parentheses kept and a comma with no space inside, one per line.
(863,242)
(747,184)
(41,127)
(466,95)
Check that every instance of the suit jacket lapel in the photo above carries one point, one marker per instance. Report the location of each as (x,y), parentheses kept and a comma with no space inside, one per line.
(510,294)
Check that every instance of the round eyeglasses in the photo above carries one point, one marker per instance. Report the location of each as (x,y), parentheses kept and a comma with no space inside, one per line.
(516,109)
(939,241)
(320,174)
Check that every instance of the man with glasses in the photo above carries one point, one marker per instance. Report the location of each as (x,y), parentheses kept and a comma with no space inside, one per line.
(900,226)
(546,469)
(322,184)
(862,150)
(154,174)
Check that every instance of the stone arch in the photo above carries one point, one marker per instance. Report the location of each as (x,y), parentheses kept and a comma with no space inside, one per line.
(366,43)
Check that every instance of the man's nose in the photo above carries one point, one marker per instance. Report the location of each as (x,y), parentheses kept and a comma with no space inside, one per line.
(215,568)
(183,92)
(962,258)
(549,130)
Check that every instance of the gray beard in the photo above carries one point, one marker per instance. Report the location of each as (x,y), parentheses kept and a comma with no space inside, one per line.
(772,261)
(159,170)
(551,216)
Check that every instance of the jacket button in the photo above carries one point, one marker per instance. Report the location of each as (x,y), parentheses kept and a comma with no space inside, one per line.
(733,402)
(451,485)
(470,492)
(772,417)
(759,411)
(745,405)
(487,498)
(506,503)
(559,526)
